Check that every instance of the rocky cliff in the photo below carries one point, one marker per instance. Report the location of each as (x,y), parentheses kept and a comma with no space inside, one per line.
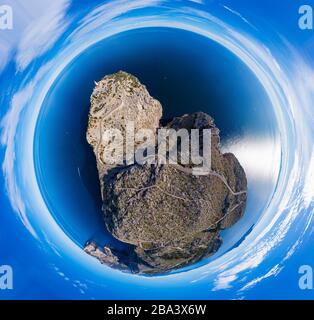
(168,215)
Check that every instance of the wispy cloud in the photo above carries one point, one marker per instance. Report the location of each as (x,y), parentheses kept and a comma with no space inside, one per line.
(107,12)
(43,33)
(8,137)
(240,16)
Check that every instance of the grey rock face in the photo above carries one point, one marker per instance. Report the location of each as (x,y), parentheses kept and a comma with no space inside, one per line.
(168,216)
(119,99)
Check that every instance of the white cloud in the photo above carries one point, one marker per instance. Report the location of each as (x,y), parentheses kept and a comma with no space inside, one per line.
(239,15)
(107,12)
(273,272)
(8,126)
(42,34)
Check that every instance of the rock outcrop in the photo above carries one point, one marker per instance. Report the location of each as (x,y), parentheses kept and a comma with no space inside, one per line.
(116,101)
(168,216)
